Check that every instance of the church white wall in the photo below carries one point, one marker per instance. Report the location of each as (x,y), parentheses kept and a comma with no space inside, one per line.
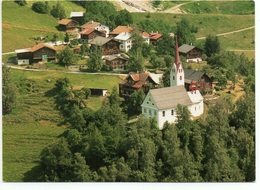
(196,109)
(162,118)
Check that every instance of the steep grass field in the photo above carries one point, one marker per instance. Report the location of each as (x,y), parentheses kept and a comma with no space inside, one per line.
(34,123)
(220,7)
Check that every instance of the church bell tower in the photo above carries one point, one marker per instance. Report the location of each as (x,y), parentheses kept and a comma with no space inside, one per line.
(177,72)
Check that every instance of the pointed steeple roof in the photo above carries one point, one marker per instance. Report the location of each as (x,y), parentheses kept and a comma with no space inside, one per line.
(177,56)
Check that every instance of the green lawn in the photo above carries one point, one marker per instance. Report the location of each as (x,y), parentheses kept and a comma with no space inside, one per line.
(207,24)
(219,7)
(34,123)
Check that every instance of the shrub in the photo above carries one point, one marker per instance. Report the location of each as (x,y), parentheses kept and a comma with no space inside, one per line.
(40,7)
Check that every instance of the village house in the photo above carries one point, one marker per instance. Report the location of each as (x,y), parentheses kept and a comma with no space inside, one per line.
(68,25)
(162,103)
(136,81)
(118,30)
(146,37)
(91,33)
(109,46)
(202,81)
(191,53)
(97,26)
(125,41)
(38,53)
(116,62)
(155,37)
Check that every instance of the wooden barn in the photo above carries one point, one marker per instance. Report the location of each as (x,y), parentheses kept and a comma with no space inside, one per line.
(39,53)
(202,81)
(68,25)
(109,46)
(192,53)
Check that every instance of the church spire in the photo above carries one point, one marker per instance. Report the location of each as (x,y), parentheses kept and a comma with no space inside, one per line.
(177,56)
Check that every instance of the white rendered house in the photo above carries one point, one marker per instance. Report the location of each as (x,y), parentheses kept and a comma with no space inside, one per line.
(125,41)
(161,103)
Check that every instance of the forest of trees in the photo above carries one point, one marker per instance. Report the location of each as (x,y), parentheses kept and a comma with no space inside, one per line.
(101,146)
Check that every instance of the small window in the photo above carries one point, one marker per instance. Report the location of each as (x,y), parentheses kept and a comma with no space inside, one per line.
(144,110)
(150,112)
(195,108)
(172,112)
(155,113)
(173,70)
(180,77)
(173,77)
(163,113)
(147,102)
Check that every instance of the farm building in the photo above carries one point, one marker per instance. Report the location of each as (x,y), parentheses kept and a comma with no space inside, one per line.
(161,103)
(68,25)
(200,79)
(109,46)
(191,53)
(39,53)
(136,81)
(77,16)
(116,62)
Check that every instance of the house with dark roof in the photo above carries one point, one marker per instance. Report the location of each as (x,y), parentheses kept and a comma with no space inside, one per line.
(136,81)
(162,103)
(116,62)
(68,25)
(202,81)
(191,53)
(109,46)
(38,53)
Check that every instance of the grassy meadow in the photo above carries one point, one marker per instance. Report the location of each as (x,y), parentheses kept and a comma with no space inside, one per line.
(35,122)
(219,7)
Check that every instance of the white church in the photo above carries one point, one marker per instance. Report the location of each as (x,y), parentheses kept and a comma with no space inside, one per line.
(161,103)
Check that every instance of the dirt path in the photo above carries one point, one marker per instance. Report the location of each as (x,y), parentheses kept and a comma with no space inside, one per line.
(227,33)
(176,9)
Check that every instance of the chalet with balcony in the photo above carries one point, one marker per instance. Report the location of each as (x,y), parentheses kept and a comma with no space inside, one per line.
(116,62)
(191,53)
(109,46)
(136,81)
(200,79)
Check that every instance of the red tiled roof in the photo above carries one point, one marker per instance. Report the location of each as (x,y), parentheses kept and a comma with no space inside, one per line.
(90,24)
(39,46)
(155,36)
(121,29)
(87,31)
(145,34)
